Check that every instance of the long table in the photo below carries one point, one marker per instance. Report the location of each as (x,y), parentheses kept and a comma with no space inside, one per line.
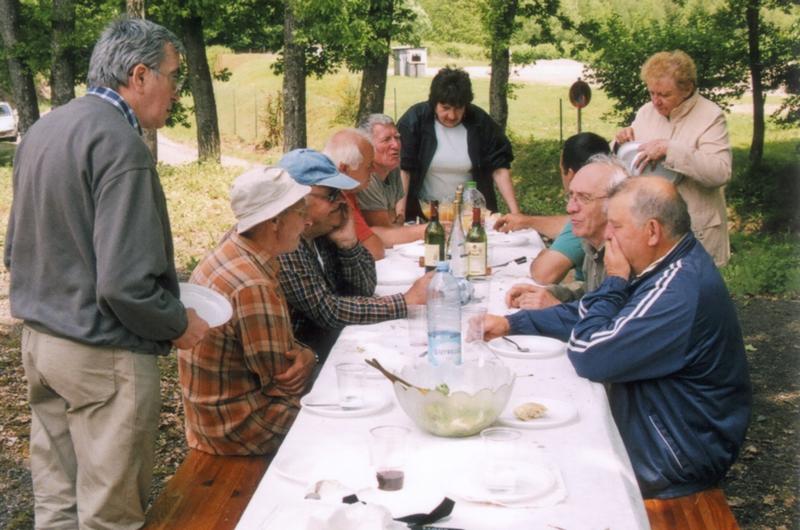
(595,488)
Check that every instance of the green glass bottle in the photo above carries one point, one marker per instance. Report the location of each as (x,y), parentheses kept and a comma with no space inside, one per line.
(434,239)
(476,246)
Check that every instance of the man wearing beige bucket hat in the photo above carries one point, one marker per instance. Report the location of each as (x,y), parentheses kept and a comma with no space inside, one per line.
(242,383)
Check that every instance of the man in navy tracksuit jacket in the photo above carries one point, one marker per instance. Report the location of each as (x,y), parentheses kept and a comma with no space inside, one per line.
(667,341)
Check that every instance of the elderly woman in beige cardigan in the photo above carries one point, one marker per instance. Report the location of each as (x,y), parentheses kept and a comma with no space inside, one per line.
(687,133)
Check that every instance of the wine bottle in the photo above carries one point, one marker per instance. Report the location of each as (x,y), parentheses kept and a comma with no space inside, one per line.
(455,244)
(476,246)
(434,239)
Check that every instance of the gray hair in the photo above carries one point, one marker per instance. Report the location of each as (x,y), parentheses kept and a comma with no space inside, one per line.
(618,171)
(660,202)
(371,120)
(342,148)
(125,43)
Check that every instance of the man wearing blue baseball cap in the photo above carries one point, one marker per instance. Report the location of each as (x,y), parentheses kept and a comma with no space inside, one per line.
(329,281)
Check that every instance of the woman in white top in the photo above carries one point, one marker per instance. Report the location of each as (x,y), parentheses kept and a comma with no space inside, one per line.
(447,141)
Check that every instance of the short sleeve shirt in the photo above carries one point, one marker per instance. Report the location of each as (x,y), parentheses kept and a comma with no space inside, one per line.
(363,231)
(382,194)
(569,245)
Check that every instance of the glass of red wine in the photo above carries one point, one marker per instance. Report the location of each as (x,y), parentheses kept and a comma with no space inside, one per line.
(388,449)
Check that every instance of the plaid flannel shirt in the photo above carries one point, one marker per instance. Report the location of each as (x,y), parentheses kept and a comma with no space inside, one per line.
(231,402)
(339,295)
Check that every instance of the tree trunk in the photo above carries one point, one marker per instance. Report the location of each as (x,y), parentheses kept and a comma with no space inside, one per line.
(136,9)
(294,85)
(753,35)
(373,77)
(205,106)
(62,71)
(498,86)
(21,77)
(501,28)
(373,87)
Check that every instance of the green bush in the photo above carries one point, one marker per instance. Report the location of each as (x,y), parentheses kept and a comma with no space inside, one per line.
(763,265)
(537,181)
(347,106)
(765,197)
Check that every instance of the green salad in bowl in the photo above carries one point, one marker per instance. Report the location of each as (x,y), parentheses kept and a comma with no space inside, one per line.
(463,400)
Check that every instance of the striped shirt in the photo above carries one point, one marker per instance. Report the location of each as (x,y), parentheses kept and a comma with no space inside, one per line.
(113,97)
(323,301)
(232,405)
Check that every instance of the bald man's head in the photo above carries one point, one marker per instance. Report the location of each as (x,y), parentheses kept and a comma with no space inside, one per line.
(656,198)
(352,153)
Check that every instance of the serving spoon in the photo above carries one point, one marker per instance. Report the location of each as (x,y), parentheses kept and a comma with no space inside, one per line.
(394,378)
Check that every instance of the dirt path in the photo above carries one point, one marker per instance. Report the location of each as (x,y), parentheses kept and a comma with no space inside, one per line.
(175,153)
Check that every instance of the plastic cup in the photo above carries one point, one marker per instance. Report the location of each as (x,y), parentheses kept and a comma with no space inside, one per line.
(388,452)
(350,382)
(501,448)
(472,320)
(418,325)
(481,290)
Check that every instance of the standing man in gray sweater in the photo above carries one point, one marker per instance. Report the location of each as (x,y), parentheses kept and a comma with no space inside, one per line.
(90,252)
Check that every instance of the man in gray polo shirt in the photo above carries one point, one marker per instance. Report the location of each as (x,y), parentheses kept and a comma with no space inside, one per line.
(379,201)
(89,249)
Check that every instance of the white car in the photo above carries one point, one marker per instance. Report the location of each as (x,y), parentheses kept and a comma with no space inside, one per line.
(8,122)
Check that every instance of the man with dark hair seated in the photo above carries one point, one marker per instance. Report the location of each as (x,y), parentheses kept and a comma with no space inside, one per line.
(662,332)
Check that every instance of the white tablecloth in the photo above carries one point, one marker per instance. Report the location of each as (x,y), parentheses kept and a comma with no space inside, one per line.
(600,489)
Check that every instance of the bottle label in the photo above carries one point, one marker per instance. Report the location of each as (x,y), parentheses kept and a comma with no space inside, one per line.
(458,263)
(432,255)
(444,347)
(476,259)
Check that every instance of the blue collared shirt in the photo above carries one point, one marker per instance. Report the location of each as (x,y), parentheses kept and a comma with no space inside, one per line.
(113,97)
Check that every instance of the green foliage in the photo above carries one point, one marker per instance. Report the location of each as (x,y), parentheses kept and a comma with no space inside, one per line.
(347,108)
(765,197)
(537,181)
(454,21)
(243,25)
(527,54)
(444,53)
(788,114)
(620,48)
(272,120)
(763,265)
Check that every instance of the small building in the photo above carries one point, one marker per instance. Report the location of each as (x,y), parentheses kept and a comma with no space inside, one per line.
(409,61)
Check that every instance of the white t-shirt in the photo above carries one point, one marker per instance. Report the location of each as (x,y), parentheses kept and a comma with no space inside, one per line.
(450,165)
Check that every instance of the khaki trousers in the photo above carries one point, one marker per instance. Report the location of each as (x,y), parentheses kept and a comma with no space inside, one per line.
(94,418)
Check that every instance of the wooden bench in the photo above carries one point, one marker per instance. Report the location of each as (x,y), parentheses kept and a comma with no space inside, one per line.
(207,492)
(211,492)
(707,510)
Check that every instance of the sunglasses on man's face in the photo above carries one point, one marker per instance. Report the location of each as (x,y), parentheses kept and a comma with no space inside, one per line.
(332,196)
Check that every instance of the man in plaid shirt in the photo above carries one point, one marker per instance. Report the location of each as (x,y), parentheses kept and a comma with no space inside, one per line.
(329,281)
(242,383)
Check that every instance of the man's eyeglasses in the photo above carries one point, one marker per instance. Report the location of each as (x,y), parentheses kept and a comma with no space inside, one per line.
(302,211)
(332,196)
(582,198)
(176,78)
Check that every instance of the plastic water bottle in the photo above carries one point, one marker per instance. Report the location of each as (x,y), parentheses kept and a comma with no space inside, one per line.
(444,317)
(472,198)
